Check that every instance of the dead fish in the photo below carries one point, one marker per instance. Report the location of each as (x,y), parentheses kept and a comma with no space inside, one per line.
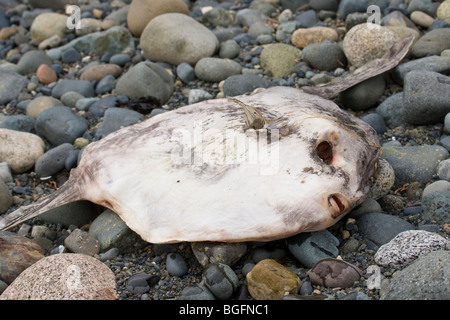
(259,167)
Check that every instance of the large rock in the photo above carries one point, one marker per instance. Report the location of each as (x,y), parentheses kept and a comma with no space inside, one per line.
(363,44)
(65,276)
(432,43)
(11,85)
(141,12)
(175,38)
(48,24)
(20,149)
(426,97)
(146,79)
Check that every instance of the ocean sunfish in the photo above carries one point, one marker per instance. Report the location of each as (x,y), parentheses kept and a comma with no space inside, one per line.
(256,167)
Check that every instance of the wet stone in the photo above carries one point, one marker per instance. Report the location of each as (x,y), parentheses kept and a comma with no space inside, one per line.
(333,273)
(221,280)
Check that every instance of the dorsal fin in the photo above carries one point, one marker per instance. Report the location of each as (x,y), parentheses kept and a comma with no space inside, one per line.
(253,118)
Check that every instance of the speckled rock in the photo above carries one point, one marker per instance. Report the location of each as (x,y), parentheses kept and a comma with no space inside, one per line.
(383,180)
(20,149)
(16,254)
(280,58)
(436,207)
(80,241)
(363,44)
(65,276)
(443,11)
(270,280)
(407,246)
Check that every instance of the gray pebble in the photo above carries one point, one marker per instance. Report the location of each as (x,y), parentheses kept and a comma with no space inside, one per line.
(245,83)
(267,252)
(6,200)
(326,55)
(71,98)
(106,85)
(5,172)
(175,265)
(310,247)
(76,213)
(364,95)
(376,121)
(443,170)
(247,17)
(216,69)
(215,252)
(31,60)
(221,280)
(84,103)
(80,241)
(432,63)
(111,254)
(229,49)
(83,87)
(120,59)
(18,122)
(391,110)
(186,72)
(369,205)
(71,55)
(53,160)
(116,118)
(197,95)
(141,283)
(198,292)
(431,43)
(436,207)
(11,85)
(72,160)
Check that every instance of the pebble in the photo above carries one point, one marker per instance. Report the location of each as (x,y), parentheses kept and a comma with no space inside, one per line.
(71,98)
(146,79)
(83,87)
(6,200)
(308,248)
(218,252)
(48,24)
(18,122)
(141,283)
(440,185)
(383,180)
(436,207)
(363,44)
(216,69)
(185,72)
(422,19)
(60,125)
(432,43)
(280,58)
(229,49)
(116,118)
(376,121)
(424,279)
(443,11)
(20,149)
(325,56)
(270,280)
(443,170)
(407,246)
(364,95)
(414,163)
(332,273)
(197,292)
(77,213)
(82,242)
(5,172)
(31,61)
(70,56)
(380,228)
(105,85)
(245,83)
(11,85)
(221,280)
(97,72)
(391,110)
(304,37)
(175,265)
(17,253)
(141,12)
(53,161)
(163,40)
(426,106)
(46,74)
(40,104)
(432,63)
(65,276)
(120,59)
(112,232)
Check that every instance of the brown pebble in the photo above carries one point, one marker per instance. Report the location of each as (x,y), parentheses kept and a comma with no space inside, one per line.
(332,273)
(98,72)
(7,32)
(45,74)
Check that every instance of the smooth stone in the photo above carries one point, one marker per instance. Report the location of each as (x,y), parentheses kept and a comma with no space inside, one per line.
(110,254)
(310,247)
(328,5)
(175,265)
(332,273)
(197,95)
(79,241)
(114,40)
(270,280)
(218,252)
(422,19)
(141,12)
(98,108)
(432,63)
(216,69)
(105,85)
(77,213)
(380,228)
(112,232)
(72,159)
(267,252)
(436,207)
(426,97)
(144,80)
(116,118)
(427,6)
(348,6)
(443,170)
(369,205)
(88,25)
(397,19)
(326,55)
(245,83)
(98,72)
(71,55)
(20,149)
(71,98)
(247,17)
(424,279)
(185,72)
(219,17)
(307,19)
(229,49)
(363,44)
(197,292)
(17,253)
(364,95)
(407,246)
(141,283)
(83,87)
(48,24)
(280,58)
(383,180)
(304,37)
(163,40)
(6,200)
(414,163)
(376,121)
(40,104)
(443,11)
(221,280)
(432,43)
(18,122)
(65,276)
(440,185)
(259,28)
(46,74)
(391,109)
(53,160)
(11,85)
(51,4)
(60,125)
(120,59)
(5,172)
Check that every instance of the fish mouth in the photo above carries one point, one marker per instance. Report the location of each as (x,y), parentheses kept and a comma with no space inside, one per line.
(338,204)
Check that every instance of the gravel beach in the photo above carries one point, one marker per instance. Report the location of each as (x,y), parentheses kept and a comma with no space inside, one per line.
(70,78)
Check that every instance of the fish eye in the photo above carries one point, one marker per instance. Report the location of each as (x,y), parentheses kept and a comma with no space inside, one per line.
(325,152)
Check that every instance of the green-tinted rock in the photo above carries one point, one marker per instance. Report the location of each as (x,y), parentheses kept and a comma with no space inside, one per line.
(280,58)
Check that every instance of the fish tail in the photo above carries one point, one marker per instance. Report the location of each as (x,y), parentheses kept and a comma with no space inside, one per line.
(67,193)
